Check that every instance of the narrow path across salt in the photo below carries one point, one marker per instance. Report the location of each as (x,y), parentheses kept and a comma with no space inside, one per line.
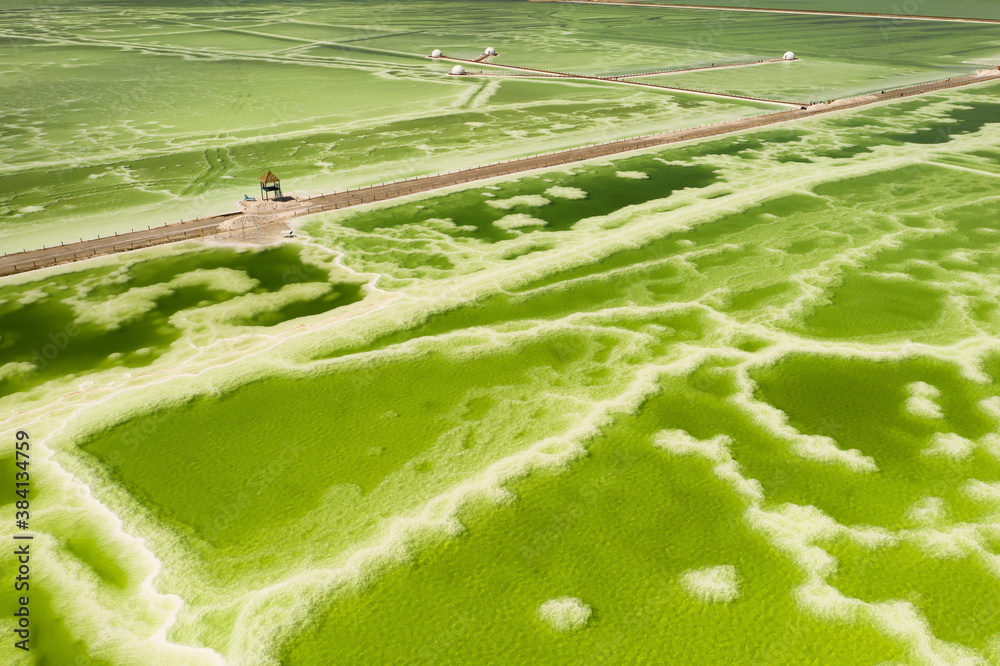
(33,259)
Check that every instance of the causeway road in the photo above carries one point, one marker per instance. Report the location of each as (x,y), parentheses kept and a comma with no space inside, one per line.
(34,259)
(624,79)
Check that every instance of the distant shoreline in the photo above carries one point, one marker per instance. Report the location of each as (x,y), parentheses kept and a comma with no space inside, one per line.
(770,10)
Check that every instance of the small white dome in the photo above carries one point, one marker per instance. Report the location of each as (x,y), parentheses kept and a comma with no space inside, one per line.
(457,70)
(436,53)
(789,56)
(490,51)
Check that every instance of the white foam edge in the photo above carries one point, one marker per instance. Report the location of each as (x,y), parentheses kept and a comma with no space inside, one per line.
(111,624)
(439,515)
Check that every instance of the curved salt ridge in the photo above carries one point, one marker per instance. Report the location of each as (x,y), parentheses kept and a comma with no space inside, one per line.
(438,516)
(716,450)
(248,305)
(710,585)
(981,491)
(115,627)
(949,543)
(565,614)
(810,447)
(825,450)
(681,443)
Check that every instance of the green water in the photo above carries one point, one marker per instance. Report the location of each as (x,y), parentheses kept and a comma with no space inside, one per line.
(730,401)
(960,8)
(617,531)
(54,329)
(687,306)
(115,120)
(603,192)
(355,430)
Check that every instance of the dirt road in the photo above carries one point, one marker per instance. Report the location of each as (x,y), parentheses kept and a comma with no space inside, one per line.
(33,259)
(624,79)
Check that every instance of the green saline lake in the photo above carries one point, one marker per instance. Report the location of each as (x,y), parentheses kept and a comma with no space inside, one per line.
(735,400)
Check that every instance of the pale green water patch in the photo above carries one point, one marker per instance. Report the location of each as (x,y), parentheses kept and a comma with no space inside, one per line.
(967,8)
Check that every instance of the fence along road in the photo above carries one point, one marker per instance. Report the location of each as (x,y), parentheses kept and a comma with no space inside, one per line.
(624,79)
(34,259)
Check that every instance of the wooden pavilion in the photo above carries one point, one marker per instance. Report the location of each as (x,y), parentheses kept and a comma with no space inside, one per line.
(270,187)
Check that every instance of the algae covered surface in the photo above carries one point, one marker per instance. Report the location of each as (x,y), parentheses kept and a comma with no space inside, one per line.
(121,115)
(729,401)
(981,9)
(741,406)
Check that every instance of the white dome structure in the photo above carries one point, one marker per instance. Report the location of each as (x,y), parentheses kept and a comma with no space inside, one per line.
(436,53)
(457,70)
(788,56)
(490,51)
